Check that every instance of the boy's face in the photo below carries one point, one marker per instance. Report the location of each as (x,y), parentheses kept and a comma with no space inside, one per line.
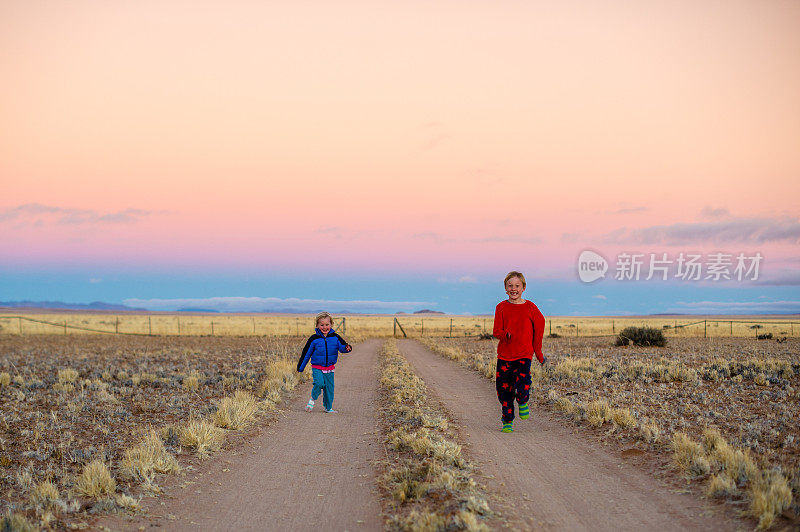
(514,289)
(324,325)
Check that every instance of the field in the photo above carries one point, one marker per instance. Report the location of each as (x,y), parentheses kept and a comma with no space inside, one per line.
(88,423)
(365,326)
(724,410)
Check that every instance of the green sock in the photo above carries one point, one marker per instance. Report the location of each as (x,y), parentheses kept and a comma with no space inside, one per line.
(524,412)
(508,426)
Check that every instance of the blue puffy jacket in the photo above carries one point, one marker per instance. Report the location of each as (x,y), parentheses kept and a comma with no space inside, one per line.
(322,350)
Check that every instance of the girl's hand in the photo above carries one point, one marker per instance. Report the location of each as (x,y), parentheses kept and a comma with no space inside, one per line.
(348,348)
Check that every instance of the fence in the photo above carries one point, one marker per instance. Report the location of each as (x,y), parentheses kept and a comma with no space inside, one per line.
(163,325)
(366,326)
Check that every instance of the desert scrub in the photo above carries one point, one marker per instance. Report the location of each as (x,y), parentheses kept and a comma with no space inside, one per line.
(237,411)
(644,336)
(749,390)
(428,478)
(97,412)
(95,481)
(202,436)
(147,457)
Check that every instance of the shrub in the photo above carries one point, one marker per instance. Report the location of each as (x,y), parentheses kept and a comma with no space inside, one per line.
(770,495)
(140,461)
(202,436)
(237,411)
(645,336)
(95,480)
(5,379)
(67,375)
(598,412)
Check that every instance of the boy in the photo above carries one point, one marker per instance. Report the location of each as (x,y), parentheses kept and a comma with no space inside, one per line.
(519,325)
(322,350)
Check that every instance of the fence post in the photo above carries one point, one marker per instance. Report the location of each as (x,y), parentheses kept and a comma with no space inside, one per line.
(394,332)
(179,324)
(212,327)
(731,328)
(297,326)
(254,324)
(116,326)
(613,328)
(551,327)
(149,326)
(423,327)
(705,332)
(576,330)
(65,327)
(20,325)
(451,327)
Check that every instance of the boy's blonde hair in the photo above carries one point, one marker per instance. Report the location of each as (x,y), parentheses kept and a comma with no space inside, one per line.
(514,274)
(323,315)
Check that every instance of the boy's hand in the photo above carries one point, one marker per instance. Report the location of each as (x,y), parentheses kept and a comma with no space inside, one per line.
(508,336)
(544,359)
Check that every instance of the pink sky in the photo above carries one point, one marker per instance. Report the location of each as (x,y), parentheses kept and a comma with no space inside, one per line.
(395,135)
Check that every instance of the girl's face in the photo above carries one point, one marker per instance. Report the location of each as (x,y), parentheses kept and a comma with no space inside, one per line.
(514,290)
(324,325)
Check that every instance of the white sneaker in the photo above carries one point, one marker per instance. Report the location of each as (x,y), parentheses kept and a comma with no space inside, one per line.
(331,411)
(310,405)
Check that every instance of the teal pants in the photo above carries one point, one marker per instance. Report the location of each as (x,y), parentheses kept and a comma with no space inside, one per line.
(323,382)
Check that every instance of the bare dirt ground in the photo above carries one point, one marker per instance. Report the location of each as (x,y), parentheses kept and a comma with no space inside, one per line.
(304,472)
(549,476)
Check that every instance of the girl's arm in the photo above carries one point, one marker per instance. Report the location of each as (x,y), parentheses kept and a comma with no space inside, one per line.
(343,346)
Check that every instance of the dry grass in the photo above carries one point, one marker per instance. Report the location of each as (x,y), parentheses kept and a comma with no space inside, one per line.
(746,390)
(121,401)
(95,481)
(769,495)
(148,457)
(237,411)
(427,476)
(202,436)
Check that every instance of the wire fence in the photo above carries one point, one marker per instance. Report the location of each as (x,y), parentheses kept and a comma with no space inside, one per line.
(375,325)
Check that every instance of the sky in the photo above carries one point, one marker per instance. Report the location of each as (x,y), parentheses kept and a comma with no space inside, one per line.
(385,156)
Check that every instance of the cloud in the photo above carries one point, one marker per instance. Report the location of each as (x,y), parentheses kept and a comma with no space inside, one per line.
(784,277)
(38,215)
(743,230)
(95,280)
(510,239)
(708,212)
(628,210)
(737,307)
(464,279)
(261,304)
(599,296)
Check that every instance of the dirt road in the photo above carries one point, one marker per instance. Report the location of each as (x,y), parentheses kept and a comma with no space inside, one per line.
(548,477)
(306,471)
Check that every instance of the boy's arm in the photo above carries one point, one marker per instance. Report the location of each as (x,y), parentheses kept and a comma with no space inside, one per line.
(498,331)
(538,332)
(343,346)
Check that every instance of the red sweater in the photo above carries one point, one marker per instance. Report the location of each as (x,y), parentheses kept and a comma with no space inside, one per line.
(525,323)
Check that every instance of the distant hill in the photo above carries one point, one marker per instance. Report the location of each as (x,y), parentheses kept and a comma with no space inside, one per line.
(94,305)
(196,310)
(428,311)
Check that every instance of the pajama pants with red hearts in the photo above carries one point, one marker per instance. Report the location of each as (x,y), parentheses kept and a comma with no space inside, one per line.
(513,381)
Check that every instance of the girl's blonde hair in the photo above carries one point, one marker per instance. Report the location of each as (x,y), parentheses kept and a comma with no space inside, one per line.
(511,275)
(323,315)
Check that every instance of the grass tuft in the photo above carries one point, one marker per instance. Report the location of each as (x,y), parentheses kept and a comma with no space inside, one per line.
(149,456)
(95,480)
(770,494)
(237,411)
(202,436)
